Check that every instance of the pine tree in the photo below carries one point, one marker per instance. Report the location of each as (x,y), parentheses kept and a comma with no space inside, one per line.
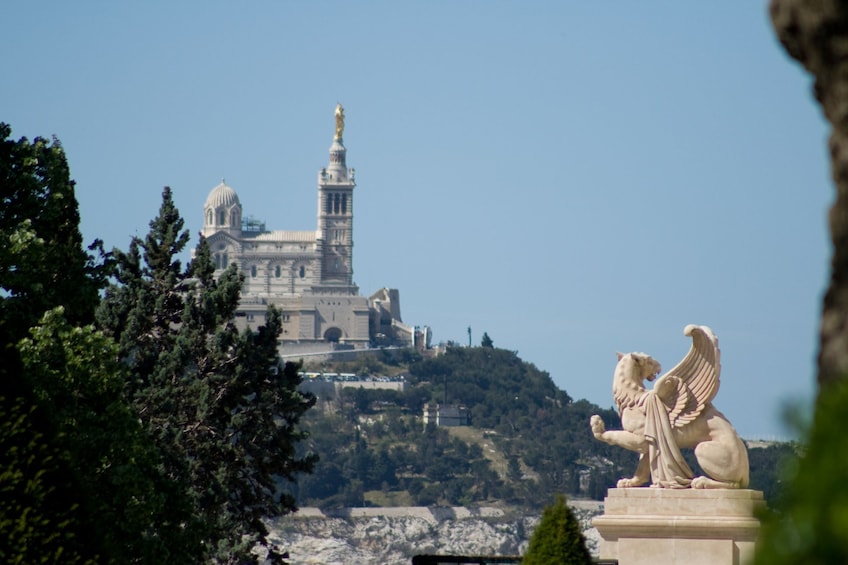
(557,539)
(219,405)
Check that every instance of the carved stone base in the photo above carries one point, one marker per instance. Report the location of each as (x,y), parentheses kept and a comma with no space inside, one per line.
(648,526)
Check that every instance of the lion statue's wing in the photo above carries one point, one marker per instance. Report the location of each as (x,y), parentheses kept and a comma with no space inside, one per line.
(698,375)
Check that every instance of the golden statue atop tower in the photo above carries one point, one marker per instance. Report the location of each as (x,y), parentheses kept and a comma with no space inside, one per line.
(339,122)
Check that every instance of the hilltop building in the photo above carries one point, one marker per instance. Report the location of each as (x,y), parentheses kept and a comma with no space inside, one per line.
(449,415)
(307,274)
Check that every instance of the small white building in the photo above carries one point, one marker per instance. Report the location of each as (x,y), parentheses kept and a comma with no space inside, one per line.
(448,415)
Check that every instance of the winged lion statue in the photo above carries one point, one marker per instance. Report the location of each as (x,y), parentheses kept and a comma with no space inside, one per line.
(676,413)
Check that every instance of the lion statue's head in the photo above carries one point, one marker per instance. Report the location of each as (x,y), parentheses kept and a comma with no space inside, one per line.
(631,371)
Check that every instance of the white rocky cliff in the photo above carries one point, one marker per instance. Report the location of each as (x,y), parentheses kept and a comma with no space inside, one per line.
(392,536)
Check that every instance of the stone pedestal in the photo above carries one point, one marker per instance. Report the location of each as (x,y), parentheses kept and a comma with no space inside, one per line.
(649,526)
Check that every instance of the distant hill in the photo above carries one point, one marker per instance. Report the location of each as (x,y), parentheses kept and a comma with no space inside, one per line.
(527,441)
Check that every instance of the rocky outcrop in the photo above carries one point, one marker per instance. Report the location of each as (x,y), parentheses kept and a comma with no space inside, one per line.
(389,536)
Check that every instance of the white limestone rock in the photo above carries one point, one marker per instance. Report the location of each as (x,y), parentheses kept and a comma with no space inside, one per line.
(390,536)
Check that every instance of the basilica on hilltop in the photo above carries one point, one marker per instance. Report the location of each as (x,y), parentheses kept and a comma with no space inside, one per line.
(308,275)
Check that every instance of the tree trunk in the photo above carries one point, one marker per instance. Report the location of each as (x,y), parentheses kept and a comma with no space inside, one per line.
(815,32)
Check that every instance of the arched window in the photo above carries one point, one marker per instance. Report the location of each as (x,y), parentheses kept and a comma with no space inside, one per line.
(253,270)
(333,335)
(277,271)
(222,218)
(302,271)
(328,208)
(210,217)
(344,203)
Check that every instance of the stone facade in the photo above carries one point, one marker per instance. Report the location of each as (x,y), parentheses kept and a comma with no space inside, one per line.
(307,274)
(646,526)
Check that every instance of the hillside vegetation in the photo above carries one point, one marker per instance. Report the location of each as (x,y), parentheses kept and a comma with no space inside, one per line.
(528,440)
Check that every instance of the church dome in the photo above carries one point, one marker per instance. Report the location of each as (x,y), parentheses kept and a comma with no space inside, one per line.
(222,195)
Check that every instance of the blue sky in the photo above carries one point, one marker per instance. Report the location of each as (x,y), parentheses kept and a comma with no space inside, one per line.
(572,178)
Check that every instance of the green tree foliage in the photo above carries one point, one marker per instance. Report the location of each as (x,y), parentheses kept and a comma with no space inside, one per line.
(42,261)
(487,341)
(220,407)
(77,473)
(521,404)
(557,539)
(810,524)
(542,438)
(78,381)
(768,468)
(391,454)
(39,499)
(377,438)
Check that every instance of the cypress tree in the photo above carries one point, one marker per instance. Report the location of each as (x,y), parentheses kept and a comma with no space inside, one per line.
(557,539)
(217,402)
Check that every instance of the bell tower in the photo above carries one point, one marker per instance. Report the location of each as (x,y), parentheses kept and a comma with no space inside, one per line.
(335,212)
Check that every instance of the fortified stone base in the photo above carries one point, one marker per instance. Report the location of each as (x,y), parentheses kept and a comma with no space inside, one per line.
(684,526)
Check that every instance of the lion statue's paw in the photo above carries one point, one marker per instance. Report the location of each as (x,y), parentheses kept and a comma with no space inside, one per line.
(628,483)
(706,482)
(698,482)
(598,427)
